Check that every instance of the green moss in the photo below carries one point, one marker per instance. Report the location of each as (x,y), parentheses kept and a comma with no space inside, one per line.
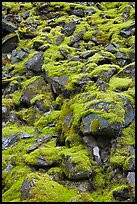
(128,136)
(82,197)
(16,97)
(117,83)
(48,191)
(13,183)
(50,153)
(126,163)
(12,129)
(27,82)
(50,117)
(117,160)
(95,124)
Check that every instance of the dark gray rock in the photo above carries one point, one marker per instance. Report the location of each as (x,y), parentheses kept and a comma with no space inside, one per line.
(8,26)
(131,177)
(48,40)
(129,113)
(71,170)
(39,141)
(131,164)
(44,48)
(37,44)
(90,11)
(21,55)
(25,15)
(96,41)
(121,55)
(26,189)
(43,162)
(69,28)
(35,63)
(58,85)
(88,54)
(67,120)
(10,43)
(64,53)
(128,71)
(25,135)
(121,195)
(104,60)
(59,40)
(111,48)
(76,38)
(12,117)
(10,141)
(126,32)
(78,12)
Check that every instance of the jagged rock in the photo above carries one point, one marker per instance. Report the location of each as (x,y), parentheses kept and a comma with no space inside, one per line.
(79,12)
(35,63)
(121,195)
(72,171)
(131,177)
(37,44)
(10,141)
(128,71)
(76,38)
(88,54)
(59,40)
(126,32)
(8,26)
(9,43)
(97,155)
(111,48)
(26,189)
(90,11)
(25,135)
(58,85)
(69,28)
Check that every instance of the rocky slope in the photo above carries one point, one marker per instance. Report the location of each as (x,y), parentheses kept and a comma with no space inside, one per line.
(68,89)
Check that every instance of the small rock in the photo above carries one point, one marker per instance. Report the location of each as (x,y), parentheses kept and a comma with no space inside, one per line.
(121,195)
(59,40)
(35,63)
(10,43)
(88,54)
(90,11)
(76,38)
(69,28)
(8,26)
(9,141)
(131,177)
(25,135)
(21,55)
(78,12)
(111,48)
(37,44)
(25,189)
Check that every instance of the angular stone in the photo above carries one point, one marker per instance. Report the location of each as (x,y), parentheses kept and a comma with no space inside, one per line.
(76,38)
(88,54)
(111,48)
(9,43)
(69,28)
(121,55)
(129,113)
(121,195)
(90,11)
(8,26)
(25,135)
(131,177)
(35,63)
(25,189)
(78,12)
(59,40)
(10,141)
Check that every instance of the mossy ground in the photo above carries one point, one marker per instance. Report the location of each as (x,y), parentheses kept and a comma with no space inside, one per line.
(105,25)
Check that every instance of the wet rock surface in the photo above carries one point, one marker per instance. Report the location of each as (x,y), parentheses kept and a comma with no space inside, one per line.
(68,101)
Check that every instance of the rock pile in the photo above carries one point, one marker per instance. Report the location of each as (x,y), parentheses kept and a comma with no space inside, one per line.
(68,101)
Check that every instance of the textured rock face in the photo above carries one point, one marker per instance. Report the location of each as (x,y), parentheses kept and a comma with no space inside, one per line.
(68,102)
